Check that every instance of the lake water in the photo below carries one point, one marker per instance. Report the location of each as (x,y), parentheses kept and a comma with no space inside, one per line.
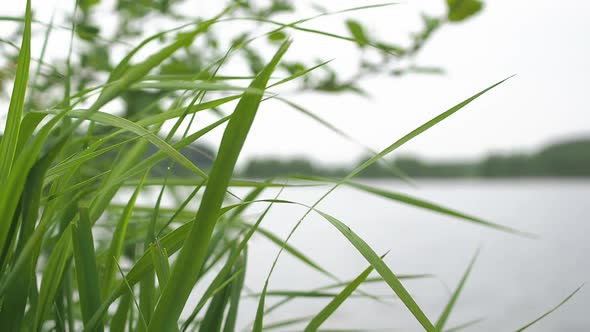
(514,280)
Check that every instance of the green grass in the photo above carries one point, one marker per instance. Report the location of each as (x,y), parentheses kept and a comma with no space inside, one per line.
(62,167)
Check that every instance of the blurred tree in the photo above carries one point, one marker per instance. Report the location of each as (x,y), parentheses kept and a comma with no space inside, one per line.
(96,58)
(95,53)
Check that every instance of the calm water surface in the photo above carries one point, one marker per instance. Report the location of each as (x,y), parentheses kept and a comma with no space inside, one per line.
(515,279)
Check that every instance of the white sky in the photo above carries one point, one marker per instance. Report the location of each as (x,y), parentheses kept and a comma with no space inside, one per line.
(544,42)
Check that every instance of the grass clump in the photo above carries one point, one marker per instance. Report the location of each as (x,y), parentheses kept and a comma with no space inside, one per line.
(72,259)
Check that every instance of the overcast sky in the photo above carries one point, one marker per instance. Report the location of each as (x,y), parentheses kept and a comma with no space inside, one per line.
(544,42)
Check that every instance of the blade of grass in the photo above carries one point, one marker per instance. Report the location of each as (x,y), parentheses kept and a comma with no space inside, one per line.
(27,127)
(17,101)
(290,249)
(131,74)
(407,199)
(147,285)
(160,155)
(259,320)
(42,55)
(234,258)
(173,241)
(221,281)
(160,261)
(130,292)
(233,183)
(120,317)
(420,203)
(551,311)
(424,127)
(440,323)
(341,284)
(119,122)
(87,155)
(85,185)
(192,255)
(235,293)
(394,170)
(389,276)
(10,196)
(52,275)
(286,322)
(329,309)
(213,319)
(179,210)
(299,294)
(86,270)
(465,325)
(116,244)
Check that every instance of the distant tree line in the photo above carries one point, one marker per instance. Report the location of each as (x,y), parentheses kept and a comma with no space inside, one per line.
(570,158)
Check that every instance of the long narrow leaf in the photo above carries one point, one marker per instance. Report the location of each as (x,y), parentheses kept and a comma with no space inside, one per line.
(86,270)
(329,309)
(192,255)
(550,311)
(116,244)
(52,276)
(440,323)
(389,277)
(17,101)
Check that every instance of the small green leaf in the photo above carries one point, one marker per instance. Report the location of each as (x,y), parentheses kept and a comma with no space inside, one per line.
(460,10)
(85,5)
(358,32)
(277,36)
(87,31)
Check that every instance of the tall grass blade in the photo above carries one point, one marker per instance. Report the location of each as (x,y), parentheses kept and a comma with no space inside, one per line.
(235,294)
(440,323)
(121,314)
(213,319)
(192,255)
(17,101)
(119,122)
(86,269)
(11,193)
(328,310)
(130,292)
(128,75)
(389,277)
(52,276)
(550,311)
(259,320)
(234,259)
(27,127)
(292,250)
(116,244)
(424,127)
(465,325)
(160,261)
